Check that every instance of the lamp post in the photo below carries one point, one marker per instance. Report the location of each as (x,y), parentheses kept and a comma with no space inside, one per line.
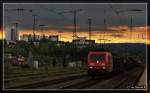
(131,18)
(74,12)
(131,25)
(60,35)
(42,26)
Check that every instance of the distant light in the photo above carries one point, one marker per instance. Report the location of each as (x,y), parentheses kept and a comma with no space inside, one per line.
(90,67)
(104,67)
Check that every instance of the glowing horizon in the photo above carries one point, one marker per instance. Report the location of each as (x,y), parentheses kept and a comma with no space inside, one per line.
(138,34)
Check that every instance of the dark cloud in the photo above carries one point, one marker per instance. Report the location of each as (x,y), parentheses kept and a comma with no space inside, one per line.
(49,14)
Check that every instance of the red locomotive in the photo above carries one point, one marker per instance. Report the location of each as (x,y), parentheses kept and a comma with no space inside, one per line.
(99,61)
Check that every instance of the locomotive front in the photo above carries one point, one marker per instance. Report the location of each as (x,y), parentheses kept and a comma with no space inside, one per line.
(99,62)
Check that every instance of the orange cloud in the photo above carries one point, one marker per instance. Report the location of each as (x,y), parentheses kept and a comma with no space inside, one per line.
(1,33)
(72,27)
(122,35)
(148,30)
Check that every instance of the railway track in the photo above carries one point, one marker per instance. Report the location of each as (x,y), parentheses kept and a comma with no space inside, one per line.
(113,81)
(25,77)
(122,81)
(47,82)
(91,81)
(22,75)
(132,81)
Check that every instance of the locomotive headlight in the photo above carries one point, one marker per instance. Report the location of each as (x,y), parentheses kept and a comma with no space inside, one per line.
(104,67)
(90,67)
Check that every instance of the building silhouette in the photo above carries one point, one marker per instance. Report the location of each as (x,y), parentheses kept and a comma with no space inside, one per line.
(12,33)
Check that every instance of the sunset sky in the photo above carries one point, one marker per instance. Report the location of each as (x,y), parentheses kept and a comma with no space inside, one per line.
(118,27)
(121,35)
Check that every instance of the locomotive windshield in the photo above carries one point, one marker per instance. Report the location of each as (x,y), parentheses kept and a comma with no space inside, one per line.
(97,57)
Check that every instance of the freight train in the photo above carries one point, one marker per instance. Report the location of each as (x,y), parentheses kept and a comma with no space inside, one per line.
(103,62)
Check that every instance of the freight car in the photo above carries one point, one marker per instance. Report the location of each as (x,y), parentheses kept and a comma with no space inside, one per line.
(101,62)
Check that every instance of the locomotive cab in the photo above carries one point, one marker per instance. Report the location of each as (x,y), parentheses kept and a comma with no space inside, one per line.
(99,62)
